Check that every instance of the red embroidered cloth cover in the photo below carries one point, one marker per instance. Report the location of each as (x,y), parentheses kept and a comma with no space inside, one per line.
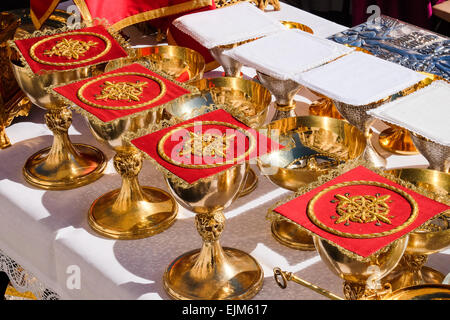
(205,145)
(70,50)
(361,211)
(121,92)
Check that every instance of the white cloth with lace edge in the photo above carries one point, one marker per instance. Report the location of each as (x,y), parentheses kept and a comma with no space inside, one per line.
(240,22)
(425,112)
(288,53)
(359,79)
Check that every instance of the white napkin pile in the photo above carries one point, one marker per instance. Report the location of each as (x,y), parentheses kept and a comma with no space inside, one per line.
(359,79)
(425,112)
(288,53)
(228,25)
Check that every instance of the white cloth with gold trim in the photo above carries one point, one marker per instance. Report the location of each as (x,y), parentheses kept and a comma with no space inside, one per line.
(228,25)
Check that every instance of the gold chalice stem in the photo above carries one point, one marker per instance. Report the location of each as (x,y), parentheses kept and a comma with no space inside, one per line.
(370,154)
(213,272)
(132,212)
(397,140)
(63,165)
(284,111)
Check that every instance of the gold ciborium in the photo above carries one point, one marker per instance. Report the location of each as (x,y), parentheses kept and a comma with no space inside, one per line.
(315,145)
(213,272)
(63,165)
(430,238)
(180,63)
(362,279)
(245,97)
(438,155)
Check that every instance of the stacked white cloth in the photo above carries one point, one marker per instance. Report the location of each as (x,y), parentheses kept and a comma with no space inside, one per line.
(288,53)
(229,25)
(359,79)
(425,112)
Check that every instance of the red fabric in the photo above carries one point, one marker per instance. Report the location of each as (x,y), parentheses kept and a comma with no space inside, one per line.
(151,90)
(296,210)
(416,12)
(115,11)
(41,9)
(115,52)
(149,145)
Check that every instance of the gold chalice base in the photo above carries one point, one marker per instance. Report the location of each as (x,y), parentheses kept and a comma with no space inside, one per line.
(397,141)
(251,183)
(153,213)
(235,276)
(289,235)
(82,165)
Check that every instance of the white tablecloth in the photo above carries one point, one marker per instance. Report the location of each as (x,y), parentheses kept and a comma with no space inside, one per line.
(47,231)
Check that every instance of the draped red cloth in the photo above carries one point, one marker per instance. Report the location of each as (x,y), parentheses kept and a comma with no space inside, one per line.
(40,10)
(416,12)
(122,13)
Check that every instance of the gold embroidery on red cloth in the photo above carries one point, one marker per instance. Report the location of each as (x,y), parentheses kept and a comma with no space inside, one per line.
(362,209)
(205,144)
(121,91)
(162,91)
(70,48)
(412,217)
(68,41)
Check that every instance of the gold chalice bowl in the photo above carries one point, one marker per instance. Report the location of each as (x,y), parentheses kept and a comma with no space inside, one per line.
(180,63)
(213,272)
(428,239)
(63,165)
(245,97)
(315,145)
(362,278)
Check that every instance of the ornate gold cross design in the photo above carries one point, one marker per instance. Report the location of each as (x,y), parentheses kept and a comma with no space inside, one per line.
(206,144)
(121,91)
(70,48)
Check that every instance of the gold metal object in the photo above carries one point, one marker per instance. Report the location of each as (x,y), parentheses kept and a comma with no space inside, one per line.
(262,4)
(246,97)
(70,48)
(421,292)
(396,139)
(430,238)
(325,142)
(122,91)
(64,165)
(289,276)
(362,278)
(357,116)
(172,60)
(13,101)
(212,272)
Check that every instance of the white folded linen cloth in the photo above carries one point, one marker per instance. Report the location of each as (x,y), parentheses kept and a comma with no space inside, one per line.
(359,79)
(425,112)
(288,53)
(229,25)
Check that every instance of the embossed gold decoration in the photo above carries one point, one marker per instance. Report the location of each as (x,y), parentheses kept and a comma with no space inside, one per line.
(207,145)
(363,209)
(262,4)
(65,45)
(372,214)
(212,147)
(70,48)
(121,91)
(13,101)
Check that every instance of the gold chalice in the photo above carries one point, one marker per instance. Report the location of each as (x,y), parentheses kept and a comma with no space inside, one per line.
(362,278)
(243,96)
(212,272)
(398,140)
(180,63)
(315,145)
(430,238)
(421,292)
(63,165)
